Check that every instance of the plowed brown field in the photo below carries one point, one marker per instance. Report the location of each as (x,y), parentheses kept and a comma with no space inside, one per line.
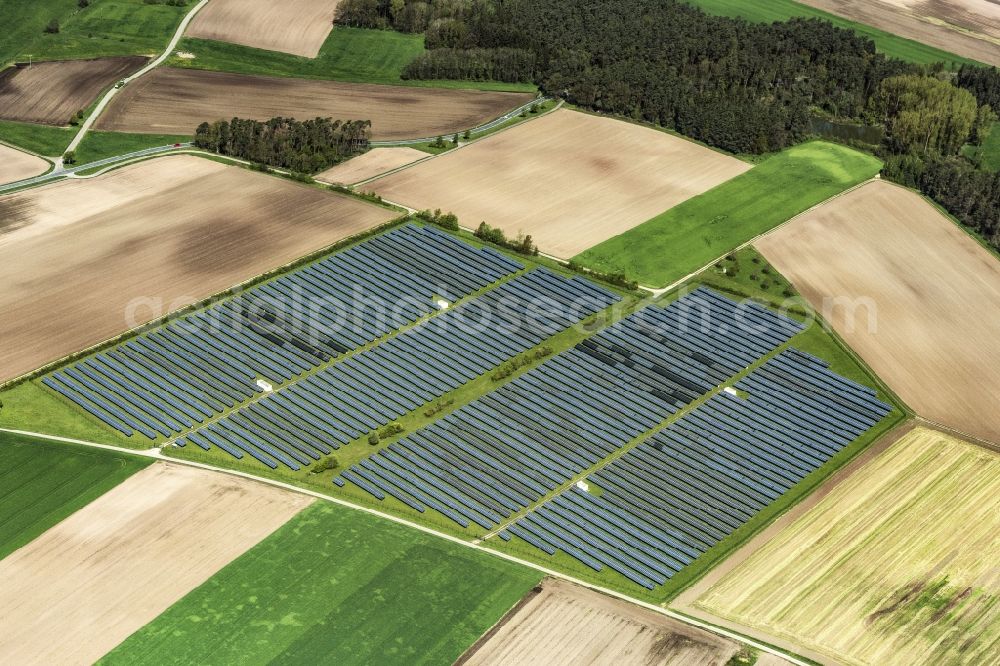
(292,26)
(568,624)
(569,179)
(910,292)
(82,260)
(969,28)
(52,92)
(15,165)
(176,101)
(86,584)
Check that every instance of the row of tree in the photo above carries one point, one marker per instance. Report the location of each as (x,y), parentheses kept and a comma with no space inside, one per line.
(300,146)
(500,64)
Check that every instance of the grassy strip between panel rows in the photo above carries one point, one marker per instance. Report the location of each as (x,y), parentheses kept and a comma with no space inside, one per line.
(703,228)
(769,11)
(816,339)
(353,55)
(43,482)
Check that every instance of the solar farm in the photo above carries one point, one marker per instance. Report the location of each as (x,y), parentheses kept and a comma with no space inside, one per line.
(634,450)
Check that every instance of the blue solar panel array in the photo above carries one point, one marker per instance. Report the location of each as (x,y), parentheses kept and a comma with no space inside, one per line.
(499,454)
(347,400)
(169,380)
(681,491)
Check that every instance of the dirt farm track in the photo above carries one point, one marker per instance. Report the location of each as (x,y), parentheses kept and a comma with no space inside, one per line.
(52,92)
(569,179)
(298,27)
(82,260)
(176,101)
(909,291)
(566,624)
(86,584)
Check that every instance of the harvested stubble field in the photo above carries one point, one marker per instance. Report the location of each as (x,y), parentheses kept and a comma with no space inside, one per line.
(970,28)
(335,585)
(897,565)
(85,585)
(52,92)
(15,165)
(569,179)
(298,27)
(909,291)
(155,236)
(569,624)
(373,163)
(174,101)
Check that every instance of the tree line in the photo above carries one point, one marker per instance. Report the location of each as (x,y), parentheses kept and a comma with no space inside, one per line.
(740,86)
(300,146)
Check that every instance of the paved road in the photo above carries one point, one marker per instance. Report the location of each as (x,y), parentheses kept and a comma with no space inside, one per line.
(156,454)
(151,65)
(62,172)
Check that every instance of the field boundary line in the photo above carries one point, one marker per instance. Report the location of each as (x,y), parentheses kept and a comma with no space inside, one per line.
(659,291)
(156,454)
(150,66)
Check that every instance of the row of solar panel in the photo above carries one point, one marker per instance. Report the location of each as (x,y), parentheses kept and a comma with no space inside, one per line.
(681,491)
(503,452)
(343,402)
(172,379)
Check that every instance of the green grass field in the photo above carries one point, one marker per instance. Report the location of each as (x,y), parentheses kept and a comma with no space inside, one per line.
(41,139)
(43,482)
(988,154)
(697,231)
(768,11)
(105,28)
(99,145)
(336,585)
(354,55)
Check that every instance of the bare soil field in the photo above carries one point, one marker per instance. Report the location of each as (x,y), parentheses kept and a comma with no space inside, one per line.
(298,27)
(910,292)
(373,163)
(15,165)
(52,92)
(898,565)
(84,260)
(969,28)
(88,583)
(568,624)
(176,101)
(569,179)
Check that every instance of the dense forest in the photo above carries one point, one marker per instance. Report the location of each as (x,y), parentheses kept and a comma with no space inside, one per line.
(743,87)
(299,146)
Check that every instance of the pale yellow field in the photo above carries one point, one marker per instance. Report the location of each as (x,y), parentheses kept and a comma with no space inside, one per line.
(15,165)
(569,179)
(298,27)
(368,165)
(909,291)
(568,624)
(900,564)
(85,585)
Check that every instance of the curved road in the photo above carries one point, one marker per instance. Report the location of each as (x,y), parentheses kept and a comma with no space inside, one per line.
(61,171)
(151,65)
